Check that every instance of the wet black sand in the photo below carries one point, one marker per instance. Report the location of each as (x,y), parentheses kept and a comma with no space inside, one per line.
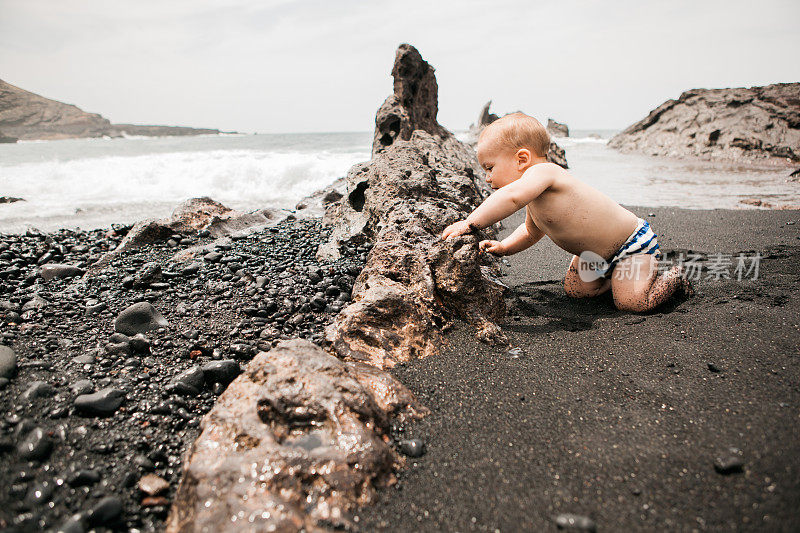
(614,416)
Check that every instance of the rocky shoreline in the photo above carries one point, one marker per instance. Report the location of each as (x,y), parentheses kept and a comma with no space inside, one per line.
(97,421)
(227,371)
(120,341)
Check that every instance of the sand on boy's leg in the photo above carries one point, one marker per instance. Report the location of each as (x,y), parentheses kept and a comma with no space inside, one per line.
(637,285)
(579,288)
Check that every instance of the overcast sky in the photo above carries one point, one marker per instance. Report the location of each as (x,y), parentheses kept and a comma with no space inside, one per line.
(324,65)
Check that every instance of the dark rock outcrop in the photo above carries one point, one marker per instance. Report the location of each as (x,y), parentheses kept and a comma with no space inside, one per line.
(556,154)
(400,202)
(557,129)
(6,139)
(298,441)
(413,105)
(759,123)
(10,199)
(25,115)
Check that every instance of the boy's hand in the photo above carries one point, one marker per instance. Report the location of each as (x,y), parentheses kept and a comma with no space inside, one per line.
(454,230)
(493,247)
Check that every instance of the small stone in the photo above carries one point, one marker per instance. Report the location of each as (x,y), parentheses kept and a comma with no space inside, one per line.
(191,269)
(714,368)
(412,447)
(8,362)
(149,273)
(729,462)
(575,522)
(101,403)
(212,257)
(39,493)
(84,477)
(140,344)
(144,463)
(106,511)
(82,386)
(85,359)
(53,271)
(36,446)
(38,389)
(154,501)
(139,318)
(153,485)
(188,383)
(75,524)
(223,371)
(94,309)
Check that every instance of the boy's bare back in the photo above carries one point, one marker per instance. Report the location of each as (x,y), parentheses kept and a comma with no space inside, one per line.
(576,216)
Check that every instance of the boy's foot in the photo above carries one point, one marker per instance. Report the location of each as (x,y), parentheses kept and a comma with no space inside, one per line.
(686,285)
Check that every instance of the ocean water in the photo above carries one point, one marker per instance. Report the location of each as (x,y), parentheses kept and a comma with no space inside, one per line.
(92,183)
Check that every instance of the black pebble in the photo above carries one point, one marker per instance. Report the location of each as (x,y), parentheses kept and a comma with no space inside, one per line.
(412,447)
(103,402)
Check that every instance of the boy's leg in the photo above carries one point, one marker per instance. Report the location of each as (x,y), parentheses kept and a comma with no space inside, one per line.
(577,288)
(637,286)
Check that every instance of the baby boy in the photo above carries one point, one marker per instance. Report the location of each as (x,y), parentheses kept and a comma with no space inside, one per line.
(612,247)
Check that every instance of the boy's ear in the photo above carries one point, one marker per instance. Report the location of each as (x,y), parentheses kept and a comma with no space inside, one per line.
(523,156)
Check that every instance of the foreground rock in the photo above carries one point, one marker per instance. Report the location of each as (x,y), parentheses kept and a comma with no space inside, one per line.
(413,283)
(296,442)
(556,154)
(759,123)
(25,115)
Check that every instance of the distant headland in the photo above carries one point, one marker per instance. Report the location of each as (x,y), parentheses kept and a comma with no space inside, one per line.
(28,116)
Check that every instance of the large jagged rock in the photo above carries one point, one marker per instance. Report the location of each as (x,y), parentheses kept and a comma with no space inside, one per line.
(25,115)
(296,442)
(413,283)
(413,105)
(759,123)
(555,154)
(557,129)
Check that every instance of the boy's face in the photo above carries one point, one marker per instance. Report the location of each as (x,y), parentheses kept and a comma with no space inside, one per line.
(501,165)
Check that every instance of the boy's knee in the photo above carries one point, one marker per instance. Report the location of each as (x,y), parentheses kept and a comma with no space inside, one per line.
(629,306)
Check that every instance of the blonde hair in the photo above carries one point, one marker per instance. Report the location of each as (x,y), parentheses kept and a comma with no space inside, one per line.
(518,130)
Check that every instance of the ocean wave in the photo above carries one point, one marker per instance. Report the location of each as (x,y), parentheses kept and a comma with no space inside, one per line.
(241,179)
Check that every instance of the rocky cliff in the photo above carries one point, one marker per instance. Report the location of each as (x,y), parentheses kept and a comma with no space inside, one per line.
(27,116)
(759,123)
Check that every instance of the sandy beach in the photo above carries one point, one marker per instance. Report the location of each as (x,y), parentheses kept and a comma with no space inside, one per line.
(614,416)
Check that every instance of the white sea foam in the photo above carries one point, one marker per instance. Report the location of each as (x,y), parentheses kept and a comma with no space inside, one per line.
(121,188)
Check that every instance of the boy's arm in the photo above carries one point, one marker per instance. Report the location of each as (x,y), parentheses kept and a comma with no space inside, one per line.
(525,236)
(504,202)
